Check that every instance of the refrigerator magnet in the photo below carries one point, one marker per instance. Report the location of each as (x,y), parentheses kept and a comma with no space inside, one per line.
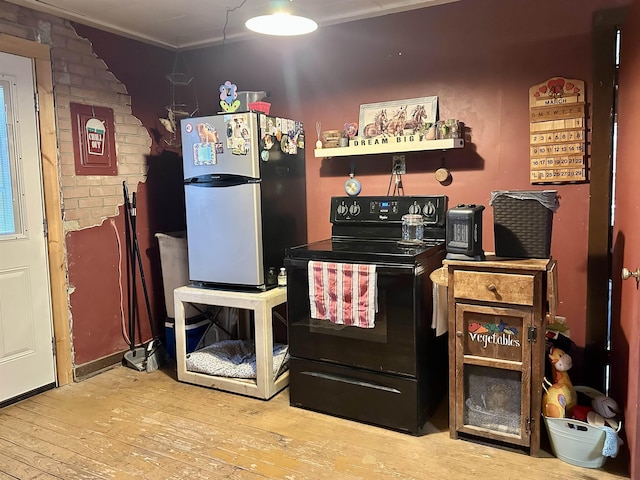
(237,126)
(239,147)
(264,155)
(244,133)
(229,135)
(204,154)
(207,133)
(267,142)
(271,126)
(292,145)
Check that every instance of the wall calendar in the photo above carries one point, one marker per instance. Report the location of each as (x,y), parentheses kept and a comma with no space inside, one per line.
(557,144)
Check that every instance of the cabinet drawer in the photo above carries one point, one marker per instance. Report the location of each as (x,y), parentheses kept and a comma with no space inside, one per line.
(494,287)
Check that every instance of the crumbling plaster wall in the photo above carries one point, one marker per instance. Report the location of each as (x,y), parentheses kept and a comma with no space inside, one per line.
(80,76)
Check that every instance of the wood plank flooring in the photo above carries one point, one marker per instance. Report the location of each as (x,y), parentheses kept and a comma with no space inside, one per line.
(125,424)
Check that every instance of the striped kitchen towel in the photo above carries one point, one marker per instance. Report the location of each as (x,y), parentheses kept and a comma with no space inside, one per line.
(343,293)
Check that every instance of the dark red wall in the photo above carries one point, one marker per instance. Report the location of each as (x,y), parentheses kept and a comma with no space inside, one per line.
(478,56)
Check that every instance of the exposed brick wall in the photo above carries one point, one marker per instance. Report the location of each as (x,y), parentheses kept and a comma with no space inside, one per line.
(80,76)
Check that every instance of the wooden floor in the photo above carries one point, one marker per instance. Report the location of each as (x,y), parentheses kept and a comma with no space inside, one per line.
(125,424)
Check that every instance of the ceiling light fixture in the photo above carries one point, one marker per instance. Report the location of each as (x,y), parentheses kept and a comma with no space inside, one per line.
(282,20)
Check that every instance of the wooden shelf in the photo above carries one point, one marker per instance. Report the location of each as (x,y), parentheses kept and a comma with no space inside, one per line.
(393,145)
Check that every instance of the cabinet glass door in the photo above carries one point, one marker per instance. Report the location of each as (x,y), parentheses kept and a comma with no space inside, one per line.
(493,372)
(493,399)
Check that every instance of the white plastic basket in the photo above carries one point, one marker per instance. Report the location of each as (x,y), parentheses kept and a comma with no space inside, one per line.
(576,442)
(174,263)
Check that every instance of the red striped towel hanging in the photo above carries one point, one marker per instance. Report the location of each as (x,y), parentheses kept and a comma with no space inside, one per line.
(343,293)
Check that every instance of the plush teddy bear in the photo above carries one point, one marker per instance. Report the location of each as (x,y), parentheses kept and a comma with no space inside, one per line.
(560,396)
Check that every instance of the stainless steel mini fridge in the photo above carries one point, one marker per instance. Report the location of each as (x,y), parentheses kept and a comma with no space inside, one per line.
(244,183)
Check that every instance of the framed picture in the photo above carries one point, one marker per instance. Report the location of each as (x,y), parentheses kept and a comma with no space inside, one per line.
(94,144)
(397,117)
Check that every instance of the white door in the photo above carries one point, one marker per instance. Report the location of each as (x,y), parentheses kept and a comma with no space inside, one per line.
(625,319)
(26,357)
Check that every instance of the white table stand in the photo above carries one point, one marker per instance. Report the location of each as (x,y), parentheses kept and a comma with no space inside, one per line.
(262,304)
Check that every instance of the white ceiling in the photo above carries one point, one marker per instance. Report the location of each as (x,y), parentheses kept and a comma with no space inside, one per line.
(197,23)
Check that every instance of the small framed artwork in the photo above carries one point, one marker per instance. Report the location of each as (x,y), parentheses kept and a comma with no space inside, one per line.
(94,145)
(394,117)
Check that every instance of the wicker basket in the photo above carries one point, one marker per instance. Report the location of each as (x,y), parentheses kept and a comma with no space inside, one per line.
(522,223)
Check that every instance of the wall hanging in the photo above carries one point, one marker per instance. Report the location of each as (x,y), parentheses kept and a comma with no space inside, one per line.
(557,112)
(94,145)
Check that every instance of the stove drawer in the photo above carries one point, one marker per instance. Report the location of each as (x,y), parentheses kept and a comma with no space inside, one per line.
(375,398)
(494,287)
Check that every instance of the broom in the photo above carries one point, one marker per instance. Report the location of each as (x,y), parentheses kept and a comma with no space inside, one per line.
(153,355)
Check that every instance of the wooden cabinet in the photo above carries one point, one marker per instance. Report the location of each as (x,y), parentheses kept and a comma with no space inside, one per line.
(496,315)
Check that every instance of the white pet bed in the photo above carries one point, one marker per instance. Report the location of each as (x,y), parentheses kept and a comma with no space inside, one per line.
(233,358)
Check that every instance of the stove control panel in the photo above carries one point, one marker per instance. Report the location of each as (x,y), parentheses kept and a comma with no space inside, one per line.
(388,210)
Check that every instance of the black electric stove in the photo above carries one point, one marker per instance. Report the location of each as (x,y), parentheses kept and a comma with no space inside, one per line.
(392,375)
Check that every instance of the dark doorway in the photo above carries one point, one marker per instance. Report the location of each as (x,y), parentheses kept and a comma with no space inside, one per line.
(607,26)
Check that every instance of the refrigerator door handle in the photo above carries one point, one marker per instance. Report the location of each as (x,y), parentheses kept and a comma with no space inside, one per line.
(222,180)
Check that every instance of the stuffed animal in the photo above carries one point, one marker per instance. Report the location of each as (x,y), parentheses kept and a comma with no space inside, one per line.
(605,406)
(581,412)
(560,396)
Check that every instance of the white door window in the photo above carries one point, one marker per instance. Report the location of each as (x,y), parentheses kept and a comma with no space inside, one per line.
(8,196)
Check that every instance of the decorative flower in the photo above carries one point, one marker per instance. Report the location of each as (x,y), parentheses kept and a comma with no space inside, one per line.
(228,96)
(228,92)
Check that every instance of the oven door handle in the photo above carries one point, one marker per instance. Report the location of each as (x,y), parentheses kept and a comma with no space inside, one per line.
(381,268)
(351,381)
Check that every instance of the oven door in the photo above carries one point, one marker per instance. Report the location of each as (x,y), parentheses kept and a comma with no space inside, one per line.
(390,346)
